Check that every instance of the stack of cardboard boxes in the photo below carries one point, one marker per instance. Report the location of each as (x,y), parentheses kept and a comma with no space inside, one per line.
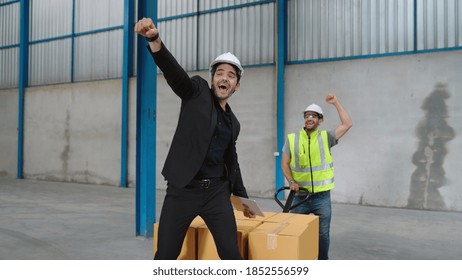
(276,236)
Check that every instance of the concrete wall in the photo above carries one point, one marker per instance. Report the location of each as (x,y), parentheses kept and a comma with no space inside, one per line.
(401,152)
(72,133)
(8,132)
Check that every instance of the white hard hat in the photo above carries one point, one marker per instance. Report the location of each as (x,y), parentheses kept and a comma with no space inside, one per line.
(227,58)
(313,108)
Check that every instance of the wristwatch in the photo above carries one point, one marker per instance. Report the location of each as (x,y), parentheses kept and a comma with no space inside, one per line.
(291,181)
(153,38)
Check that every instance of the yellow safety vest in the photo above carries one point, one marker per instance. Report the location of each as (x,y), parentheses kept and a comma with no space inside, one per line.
(317,161)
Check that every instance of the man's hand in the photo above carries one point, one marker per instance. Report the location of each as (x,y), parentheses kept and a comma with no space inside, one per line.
(145,27)
(248,213)
(331,98)
(294,186)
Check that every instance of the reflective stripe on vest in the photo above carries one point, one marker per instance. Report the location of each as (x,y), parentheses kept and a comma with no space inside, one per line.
(320,157)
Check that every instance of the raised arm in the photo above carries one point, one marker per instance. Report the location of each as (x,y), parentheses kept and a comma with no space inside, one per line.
(346,122)
(146,28)
(176,76)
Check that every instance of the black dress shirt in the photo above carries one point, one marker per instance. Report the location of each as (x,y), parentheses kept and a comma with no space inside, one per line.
(214,163)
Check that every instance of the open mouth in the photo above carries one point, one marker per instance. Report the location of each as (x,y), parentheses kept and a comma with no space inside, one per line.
(222,87)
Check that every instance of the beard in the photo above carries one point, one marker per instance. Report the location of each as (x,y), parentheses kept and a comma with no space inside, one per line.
(220,94)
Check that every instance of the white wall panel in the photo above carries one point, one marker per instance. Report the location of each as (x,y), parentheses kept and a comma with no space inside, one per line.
(91,15)
(9,71)
(50,18)
(169,8)
(322,29)
(9,35)
(180,37)
(98,56)
(333,28)
(438,24)
(50,62)
(196,37)
(9,24)
(247,32)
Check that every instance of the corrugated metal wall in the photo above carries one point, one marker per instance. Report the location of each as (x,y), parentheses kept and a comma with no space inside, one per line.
(179,34)
(198,31)
(49,61)
(9,22)
(439,24)
(79,40)
(321,29)
(91,15)
(98,55)
(9,71)
(70,40)
(50,18)
(332,29)
(9,36)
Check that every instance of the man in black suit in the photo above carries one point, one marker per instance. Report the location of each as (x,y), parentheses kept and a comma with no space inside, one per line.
(201,168)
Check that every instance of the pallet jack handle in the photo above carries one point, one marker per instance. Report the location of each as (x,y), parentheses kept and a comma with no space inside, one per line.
(288,206)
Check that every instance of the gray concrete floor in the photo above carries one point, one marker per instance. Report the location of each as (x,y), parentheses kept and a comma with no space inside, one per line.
(52,221)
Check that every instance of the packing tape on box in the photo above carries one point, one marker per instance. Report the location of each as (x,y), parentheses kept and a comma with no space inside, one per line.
(272,237)
(286,220)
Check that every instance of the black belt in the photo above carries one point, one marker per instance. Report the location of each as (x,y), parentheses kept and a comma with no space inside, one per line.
(205,183)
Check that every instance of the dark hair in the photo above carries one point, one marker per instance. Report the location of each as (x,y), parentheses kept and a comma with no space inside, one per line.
(238,71)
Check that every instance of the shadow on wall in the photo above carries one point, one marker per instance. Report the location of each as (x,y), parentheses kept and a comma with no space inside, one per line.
(433,133)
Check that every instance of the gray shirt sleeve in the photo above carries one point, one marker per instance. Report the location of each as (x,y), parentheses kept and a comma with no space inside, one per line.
(286,148)
(331,138)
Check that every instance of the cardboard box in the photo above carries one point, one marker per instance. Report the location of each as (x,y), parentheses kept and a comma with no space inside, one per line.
(206,245)
(292,218)
(240,216)
(285,241)
(189,249)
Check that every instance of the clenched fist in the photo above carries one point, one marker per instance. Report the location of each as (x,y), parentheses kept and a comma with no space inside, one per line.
(146,28)
(331,98)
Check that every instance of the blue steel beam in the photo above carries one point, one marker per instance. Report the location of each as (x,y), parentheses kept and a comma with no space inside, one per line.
(280,67)
(23,79)
(72,41)
(415,25)
(126,74)
(146,102)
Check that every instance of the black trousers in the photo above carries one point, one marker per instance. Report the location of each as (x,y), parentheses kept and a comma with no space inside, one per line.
(181,206)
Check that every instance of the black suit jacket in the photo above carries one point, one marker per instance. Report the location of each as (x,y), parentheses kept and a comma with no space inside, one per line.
(196,126)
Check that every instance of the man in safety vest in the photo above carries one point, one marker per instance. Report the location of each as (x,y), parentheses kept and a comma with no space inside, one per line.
(307,163)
